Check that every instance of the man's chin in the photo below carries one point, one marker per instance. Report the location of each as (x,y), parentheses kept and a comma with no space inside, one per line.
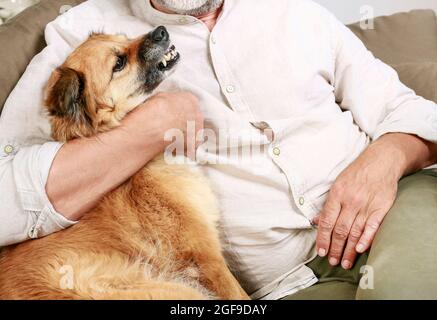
(189,7)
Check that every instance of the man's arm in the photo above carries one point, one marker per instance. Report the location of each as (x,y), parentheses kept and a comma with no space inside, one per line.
(77,174)
(84,170)
(403,129)
(43,188)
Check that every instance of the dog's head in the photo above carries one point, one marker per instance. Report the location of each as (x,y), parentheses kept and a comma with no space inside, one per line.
(104,79)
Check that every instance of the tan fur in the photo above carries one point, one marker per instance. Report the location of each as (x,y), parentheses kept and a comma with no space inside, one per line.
(154,237)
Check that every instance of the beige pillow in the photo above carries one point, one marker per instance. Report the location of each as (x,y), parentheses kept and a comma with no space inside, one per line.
(408,42)
(402,37)
(22,38)
(421,77)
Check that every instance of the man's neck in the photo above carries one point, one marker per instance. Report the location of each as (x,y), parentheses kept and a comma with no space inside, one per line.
(209,19)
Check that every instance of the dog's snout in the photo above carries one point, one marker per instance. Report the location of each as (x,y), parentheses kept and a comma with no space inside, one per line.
(160,34)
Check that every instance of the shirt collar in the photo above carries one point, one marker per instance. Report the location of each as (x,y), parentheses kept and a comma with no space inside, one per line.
(145,10)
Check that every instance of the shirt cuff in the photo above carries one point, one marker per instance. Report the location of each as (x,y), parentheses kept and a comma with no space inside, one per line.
(31,170)
(417,118)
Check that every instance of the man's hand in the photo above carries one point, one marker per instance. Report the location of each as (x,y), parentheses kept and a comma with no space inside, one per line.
(175,109)
(101,163)
(363,194)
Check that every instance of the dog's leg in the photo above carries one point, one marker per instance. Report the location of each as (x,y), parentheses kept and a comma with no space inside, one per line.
(192,210)
(215,276)
(205,253)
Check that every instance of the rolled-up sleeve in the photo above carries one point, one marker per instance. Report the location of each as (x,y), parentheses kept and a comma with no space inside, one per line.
(26,212)
(372,91)
(26,150)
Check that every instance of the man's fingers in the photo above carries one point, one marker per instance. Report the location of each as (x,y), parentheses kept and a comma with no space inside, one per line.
(349,257)
(350,253)
(327,221)
(340,234)
(370,230)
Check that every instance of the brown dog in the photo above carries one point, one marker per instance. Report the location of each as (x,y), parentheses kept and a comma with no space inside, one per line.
(154,237)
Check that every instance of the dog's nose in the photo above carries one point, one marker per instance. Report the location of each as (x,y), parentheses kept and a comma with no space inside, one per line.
(160,34)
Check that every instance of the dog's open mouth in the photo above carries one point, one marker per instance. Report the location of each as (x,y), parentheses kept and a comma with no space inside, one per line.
(171,57)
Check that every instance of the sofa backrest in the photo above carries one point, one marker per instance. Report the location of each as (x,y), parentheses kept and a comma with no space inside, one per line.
(408,42)
(408,37)
(22,38)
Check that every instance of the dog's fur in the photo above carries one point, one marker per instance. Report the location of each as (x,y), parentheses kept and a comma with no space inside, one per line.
(154,237)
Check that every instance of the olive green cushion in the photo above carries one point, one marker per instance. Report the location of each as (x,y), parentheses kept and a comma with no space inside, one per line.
(22,38)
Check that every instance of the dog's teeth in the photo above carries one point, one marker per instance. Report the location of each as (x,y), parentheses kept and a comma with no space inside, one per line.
(164,62)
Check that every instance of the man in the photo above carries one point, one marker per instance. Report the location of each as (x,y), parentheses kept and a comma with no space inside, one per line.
(344,131)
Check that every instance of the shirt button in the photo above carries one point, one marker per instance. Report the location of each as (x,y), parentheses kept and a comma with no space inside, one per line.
(213,40)
(33,233)
(276,151)
(184,20)
(230,89)
(9,149)
(301,201)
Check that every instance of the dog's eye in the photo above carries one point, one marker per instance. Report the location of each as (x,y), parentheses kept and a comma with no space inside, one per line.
(120,64)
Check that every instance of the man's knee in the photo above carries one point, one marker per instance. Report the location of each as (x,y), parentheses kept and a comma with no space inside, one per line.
(403,257)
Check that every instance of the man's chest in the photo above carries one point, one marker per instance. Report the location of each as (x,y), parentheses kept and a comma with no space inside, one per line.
(247,72)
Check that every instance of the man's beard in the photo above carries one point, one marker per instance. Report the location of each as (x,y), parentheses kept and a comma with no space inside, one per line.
(190,7)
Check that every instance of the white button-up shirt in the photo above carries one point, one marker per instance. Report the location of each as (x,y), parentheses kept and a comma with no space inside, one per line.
(288,67)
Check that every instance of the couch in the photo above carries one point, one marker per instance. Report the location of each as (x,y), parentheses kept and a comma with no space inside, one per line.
(406,41)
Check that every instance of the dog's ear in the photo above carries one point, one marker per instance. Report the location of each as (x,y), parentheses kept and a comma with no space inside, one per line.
(66,94)
(67,104)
